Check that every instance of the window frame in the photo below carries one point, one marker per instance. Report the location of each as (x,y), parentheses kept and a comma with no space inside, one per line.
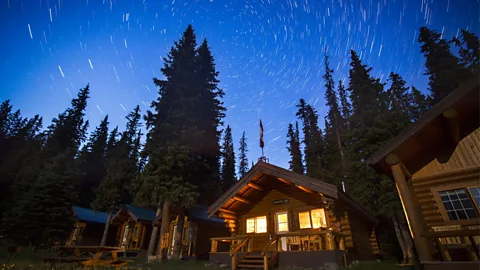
(443,211)
(255,224)
(309,211)
(277,223)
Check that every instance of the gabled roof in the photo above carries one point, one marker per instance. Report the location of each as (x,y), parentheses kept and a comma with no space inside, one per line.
(265,173)
(137,213)
(200,213)
(140,213)
(421,137)
(89,215)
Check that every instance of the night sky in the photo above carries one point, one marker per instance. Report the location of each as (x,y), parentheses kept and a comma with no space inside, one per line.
(269,53)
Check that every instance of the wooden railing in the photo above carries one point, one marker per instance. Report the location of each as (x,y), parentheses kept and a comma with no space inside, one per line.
(333,240)
(273,244)
(233,253)
(234,240)
(467,237)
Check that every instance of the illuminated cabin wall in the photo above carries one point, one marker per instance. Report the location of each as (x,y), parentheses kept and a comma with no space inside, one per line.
(448,171)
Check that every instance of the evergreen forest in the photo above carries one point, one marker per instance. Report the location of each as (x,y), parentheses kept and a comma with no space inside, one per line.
(180,153)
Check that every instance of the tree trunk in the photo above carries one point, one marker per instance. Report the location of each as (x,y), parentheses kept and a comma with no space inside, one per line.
(153,237)
(105,231)
(163,247)
(339,143)
(407,238)
(400,240)
(178,234)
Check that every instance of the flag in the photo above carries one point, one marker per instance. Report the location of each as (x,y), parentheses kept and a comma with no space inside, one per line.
(261,134)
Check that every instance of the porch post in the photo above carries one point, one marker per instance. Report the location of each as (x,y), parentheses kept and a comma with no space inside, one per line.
(411,209)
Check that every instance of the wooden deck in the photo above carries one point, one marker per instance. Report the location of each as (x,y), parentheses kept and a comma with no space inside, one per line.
(303,249)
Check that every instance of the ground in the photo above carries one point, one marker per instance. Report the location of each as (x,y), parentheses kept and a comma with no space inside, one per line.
(27,259)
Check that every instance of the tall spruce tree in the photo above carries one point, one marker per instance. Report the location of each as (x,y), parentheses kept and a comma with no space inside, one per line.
(42,213)
(228,164)
(242,158)
(172,145)
(345,104)
(420,104)
(333,135)
(20,139)
(208,112)
(92,163)
(444,70)
(400,100)
(293,147)
(121,169)
(313,141)
(468,49)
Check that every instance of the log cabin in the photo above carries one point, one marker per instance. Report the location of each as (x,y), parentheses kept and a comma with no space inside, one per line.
(280,218)
(197,231)
(88,228)
(435,164)
(135,227)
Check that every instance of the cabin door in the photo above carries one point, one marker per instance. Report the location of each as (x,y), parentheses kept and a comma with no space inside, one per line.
(281,227)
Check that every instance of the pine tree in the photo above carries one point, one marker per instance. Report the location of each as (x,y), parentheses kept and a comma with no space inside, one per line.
(92,162)
(420,104)
(121,162)
(468,49)
(313,141)
(444,69)
(242,159)
(42,212)
(208,112)
(293,147)
(400,100)
(345,104)
(335,121)
(228,166)
(173,147)
(20,139)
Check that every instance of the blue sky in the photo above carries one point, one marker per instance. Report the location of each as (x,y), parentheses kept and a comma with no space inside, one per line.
(269,53)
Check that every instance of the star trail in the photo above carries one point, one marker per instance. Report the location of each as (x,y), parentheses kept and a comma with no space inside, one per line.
(269,53)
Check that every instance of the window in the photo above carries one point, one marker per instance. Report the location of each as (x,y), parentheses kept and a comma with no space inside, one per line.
(282,222)
(312,219)
(257,225)
(475,191)
(458,205)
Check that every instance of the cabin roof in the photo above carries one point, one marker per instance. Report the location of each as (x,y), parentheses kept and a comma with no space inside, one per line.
(140,213)
(86,214)
(429,132)
(201,213)
(263,177)
(137,213)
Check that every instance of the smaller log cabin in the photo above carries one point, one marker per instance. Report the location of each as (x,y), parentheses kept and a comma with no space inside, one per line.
(135,227)
(197,231)
(88,228)
(280,218)
(435,164)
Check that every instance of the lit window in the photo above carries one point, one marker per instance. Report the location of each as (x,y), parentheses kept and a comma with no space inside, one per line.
(312,219)
(282,222)
(304,218)
(257,225)
(458,205)
(318,218)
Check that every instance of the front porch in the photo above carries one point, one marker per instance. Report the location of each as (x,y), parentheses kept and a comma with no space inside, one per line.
(300,249)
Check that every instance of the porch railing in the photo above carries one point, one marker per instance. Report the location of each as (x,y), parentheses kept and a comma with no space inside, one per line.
(319,240)
(273,245)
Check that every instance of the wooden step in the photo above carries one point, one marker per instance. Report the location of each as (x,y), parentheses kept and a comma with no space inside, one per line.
(250,266)
(251,261)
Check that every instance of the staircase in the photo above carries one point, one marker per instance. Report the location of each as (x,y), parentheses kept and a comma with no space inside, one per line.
(253,260)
